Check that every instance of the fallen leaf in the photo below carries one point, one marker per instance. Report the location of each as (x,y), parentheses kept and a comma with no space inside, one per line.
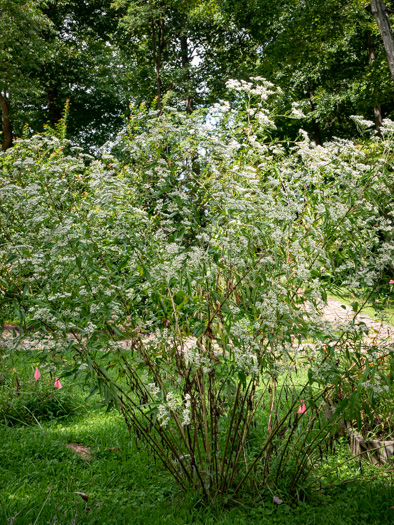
(81,450)
(84,496)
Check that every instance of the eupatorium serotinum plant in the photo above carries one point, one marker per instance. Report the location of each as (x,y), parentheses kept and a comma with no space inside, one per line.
(186,272)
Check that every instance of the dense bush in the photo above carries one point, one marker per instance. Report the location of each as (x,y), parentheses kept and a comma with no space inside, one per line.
(187,271)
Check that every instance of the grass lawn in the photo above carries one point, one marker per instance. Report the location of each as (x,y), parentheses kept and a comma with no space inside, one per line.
(39,477)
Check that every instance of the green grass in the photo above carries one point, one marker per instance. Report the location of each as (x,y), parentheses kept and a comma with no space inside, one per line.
(39,476)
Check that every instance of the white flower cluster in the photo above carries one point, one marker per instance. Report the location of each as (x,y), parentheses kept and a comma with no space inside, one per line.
(375,388)
(361,121)
(174,405)
(186,411)
(194,358)
(296,110)
(261,87)
(153,390)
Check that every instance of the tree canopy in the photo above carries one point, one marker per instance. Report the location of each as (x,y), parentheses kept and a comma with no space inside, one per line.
(330,58)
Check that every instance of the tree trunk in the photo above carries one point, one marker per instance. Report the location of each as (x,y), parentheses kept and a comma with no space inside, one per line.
(185,66)
(377,110)
(54,113)
(189,99)
(157,49)
(315,124)
(6,123)
(379,11)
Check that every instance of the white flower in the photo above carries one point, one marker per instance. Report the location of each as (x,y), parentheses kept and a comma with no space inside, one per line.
(296,111)
(361,121)
(186,411)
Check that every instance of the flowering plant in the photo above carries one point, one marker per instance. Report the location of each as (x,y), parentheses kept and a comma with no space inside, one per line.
(187,271)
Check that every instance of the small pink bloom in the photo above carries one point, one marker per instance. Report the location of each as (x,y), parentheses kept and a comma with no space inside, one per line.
(58,384)
(302,407)
(37,374)
(391,281)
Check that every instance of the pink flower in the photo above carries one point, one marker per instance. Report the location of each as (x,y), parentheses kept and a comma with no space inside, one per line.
(37,374)
(391,281)
(302,407)
(58,384)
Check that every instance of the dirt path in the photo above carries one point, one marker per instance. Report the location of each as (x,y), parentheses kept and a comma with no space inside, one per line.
(336,312)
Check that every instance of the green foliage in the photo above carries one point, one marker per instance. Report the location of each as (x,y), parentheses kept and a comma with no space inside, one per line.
(24,401)
(21,54)
(123,486)
(31,403)
(325,54)
(102,55)
(187,271)
(21,23)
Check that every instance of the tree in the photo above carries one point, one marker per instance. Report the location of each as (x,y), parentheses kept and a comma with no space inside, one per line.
(102,57)
(59,50)
(324,55)
(21,52)
(379,11)
(186,47)
(84,65)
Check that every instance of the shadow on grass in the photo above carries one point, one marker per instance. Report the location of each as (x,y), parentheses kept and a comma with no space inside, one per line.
(39,477)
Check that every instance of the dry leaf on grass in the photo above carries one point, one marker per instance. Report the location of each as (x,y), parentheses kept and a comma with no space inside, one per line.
(81,450)
(84,496)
